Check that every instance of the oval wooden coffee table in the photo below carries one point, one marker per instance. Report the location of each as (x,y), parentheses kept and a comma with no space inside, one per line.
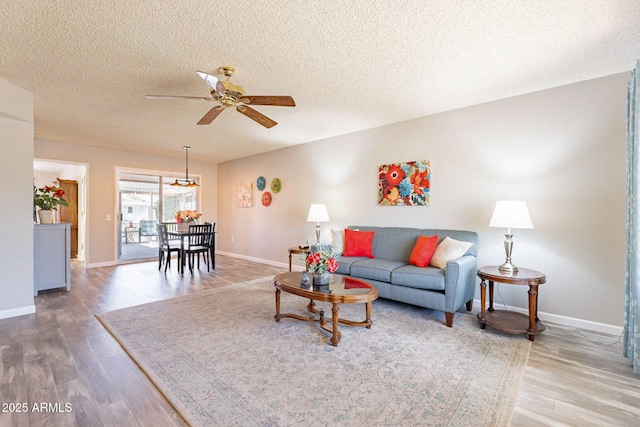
(341,290)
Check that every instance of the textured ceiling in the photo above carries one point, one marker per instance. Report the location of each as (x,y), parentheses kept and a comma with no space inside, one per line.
(349,64)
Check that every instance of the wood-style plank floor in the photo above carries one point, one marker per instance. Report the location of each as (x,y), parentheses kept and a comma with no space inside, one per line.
(62,358)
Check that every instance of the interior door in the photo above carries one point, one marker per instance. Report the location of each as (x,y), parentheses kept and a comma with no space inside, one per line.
(70,213)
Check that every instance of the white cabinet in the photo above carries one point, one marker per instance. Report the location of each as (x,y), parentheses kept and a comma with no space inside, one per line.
(51,257)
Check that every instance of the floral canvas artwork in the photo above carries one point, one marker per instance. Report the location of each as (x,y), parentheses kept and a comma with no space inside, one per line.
(244,195)
(404,184)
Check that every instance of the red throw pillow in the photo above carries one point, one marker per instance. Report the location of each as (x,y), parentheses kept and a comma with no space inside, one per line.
(423,250)
(358,243)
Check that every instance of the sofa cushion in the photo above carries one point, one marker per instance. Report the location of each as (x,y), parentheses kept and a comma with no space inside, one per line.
(431,278)
(447,250)
(358,243)
(423,250)
(375,269)
(344,263)
(396,243)
(337,241)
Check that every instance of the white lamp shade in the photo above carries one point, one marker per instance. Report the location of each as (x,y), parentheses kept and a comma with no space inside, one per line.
(511,214)
(318,213)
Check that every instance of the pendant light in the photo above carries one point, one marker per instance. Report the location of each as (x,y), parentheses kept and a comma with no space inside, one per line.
(187,182)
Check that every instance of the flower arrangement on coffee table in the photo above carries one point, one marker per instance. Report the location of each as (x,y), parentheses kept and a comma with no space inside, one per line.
(319,264)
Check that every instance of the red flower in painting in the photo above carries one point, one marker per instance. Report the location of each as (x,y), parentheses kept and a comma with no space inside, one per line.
(419,181)
(395,175)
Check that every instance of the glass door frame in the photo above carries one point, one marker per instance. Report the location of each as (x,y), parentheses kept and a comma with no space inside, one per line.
(162,175)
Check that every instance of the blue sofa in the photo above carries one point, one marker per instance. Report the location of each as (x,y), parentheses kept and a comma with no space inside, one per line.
(390,272)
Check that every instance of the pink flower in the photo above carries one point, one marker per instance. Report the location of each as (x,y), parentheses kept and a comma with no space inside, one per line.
(332,265)
(321,262)
(186,216)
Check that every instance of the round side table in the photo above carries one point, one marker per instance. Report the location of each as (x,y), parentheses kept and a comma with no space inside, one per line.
(507,321)
(297,250)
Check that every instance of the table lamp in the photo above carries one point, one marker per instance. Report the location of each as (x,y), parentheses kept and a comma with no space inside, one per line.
(510,214)
(318,213)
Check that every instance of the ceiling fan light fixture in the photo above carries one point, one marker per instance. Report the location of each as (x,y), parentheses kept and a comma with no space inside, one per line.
(230,94)
(232,87)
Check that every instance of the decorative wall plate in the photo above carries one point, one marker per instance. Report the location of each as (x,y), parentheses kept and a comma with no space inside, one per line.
(276,185)
(261,183)
(266,199)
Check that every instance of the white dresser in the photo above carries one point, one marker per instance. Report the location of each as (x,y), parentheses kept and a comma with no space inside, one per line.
(51,257)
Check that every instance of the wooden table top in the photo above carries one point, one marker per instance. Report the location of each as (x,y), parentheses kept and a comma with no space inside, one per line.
(299,250)
(341,289)
(523,276)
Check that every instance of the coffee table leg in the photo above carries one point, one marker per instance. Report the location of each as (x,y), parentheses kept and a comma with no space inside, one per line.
(277,316)
(368,310)
(335,338)
(311,306)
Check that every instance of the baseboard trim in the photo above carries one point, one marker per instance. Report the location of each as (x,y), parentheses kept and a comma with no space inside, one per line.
(261,260)
(15,312)
(101,264)
(562,320)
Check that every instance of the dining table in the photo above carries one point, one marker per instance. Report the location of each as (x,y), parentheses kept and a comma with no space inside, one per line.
(182,234)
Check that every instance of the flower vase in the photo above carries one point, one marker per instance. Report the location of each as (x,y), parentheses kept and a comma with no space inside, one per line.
(46,216)
(183,227)
(320,279)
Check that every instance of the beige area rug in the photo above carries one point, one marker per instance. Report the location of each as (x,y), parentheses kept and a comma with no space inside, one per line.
(221,360)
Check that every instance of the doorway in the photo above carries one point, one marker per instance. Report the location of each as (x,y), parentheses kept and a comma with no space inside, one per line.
(144,200)
(73,178)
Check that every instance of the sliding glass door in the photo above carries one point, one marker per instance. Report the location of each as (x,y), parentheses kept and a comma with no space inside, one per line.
(175,198)
(146,200)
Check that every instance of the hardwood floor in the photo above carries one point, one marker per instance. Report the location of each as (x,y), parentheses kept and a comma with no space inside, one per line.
(63,358)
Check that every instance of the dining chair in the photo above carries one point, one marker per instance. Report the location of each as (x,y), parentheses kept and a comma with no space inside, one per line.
(212,245)
(198,244)
(172,226)
(166,246)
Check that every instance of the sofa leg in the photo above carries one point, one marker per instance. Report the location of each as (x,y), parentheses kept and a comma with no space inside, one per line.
(470,304)
(449,318)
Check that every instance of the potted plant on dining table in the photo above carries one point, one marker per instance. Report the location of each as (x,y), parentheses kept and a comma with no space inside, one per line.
(186,217)
(47,199)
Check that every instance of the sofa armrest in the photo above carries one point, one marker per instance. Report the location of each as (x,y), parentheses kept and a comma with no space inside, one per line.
(459,282)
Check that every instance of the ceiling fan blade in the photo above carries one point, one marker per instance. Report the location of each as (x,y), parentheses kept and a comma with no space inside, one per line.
(256,116)
(211,115)
(213,82)
(178,97)
(279,101)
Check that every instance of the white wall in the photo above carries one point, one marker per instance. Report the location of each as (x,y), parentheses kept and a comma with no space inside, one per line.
(101,187)
(16,219)
(561,150)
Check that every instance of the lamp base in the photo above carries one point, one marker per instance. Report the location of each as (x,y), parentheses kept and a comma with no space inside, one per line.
(508,268)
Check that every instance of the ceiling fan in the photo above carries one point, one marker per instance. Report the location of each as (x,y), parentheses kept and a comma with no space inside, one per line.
(229,94)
